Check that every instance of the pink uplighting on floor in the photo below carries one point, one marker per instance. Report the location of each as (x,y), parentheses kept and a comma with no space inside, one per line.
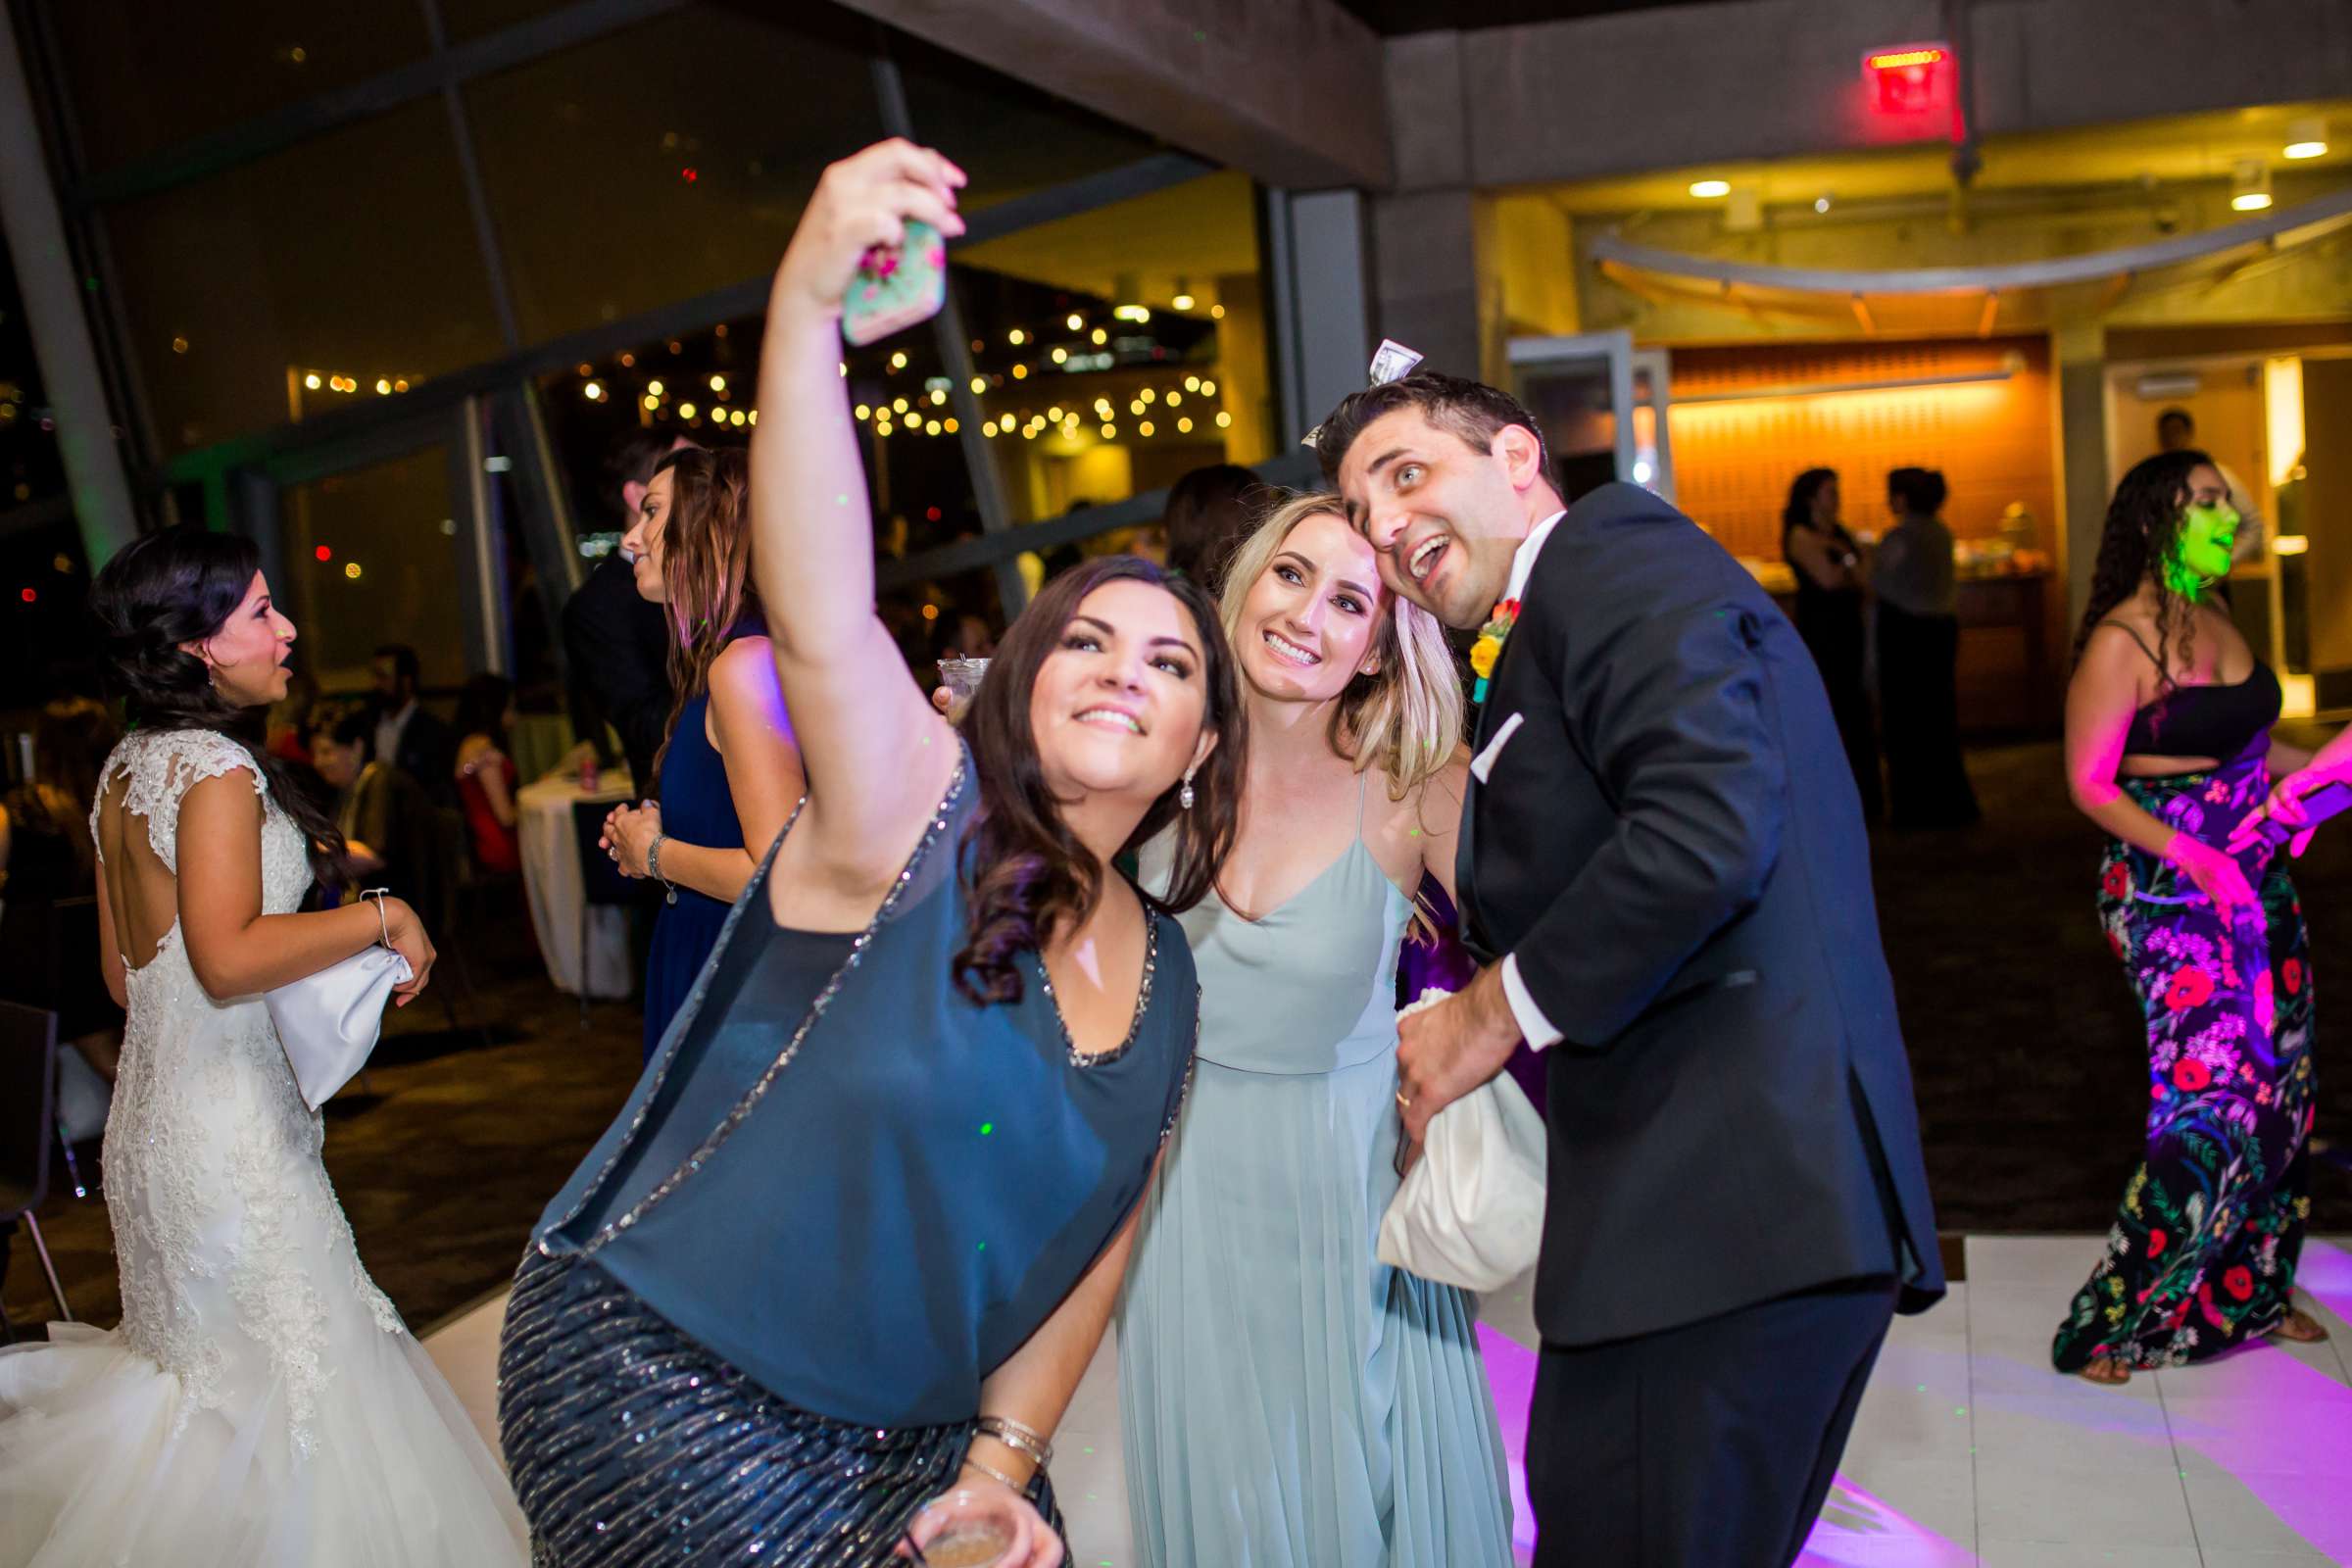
(1859,1531)
(1856,1530)
(1511,1374)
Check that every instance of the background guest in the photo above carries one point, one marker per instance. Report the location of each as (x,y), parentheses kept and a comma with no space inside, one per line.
(381,810)
(289,723)
(1919,646)
(486,776)
(2176,431)
(615,643)
(46,856)
(729,769)
(2169,749)
(1828,565)
(1210,510)
(407,735)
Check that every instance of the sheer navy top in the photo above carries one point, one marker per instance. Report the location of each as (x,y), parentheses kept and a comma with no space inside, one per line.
(859,1188)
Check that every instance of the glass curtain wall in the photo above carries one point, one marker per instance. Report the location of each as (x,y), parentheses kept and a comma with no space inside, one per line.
(305,223)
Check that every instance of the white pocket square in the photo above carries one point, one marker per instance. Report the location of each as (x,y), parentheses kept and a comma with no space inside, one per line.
(1483,762)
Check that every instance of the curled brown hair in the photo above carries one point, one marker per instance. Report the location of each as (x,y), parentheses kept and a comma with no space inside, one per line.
(1027,874)
(706,568)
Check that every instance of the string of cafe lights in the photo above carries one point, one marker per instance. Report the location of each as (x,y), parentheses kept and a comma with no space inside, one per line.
(337,382)
(1152,411)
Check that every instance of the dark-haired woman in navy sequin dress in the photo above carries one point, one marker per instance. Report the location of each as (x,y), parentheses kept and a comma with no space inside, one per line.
(828,1284)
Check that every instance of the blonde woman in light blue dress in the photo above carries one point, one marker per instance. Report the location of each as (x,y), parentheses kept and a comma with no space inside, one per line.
(1288,1400)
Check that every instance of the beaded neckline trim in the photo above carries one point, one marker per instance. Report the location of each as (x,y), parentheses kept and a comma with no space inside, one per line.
(1142,998)
(792,1047)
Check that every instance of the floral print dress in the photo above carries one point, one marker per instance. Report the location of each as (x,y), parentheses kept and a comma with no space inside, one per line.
(2202,1252)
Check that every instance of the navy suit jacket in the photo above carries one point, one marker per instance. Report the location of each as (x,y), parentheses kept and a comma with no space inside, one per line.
(1668,840)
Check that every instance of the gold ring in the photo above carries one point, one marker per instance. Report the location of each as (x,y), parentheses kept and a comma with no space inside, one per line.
(1403,1101)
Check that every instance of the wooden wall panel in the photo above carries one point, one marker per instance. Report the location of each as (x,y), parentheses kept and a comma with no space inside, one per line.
(1992,440)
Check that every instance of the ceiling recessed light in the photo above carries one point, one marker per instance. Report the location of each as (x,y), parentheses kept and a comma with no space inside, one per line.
(2250,201)
(1710,189)
(2305,149)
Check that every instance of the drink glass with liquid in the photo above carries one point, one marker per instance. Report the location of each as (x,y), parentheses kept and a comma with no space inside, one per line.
(973,1544)
(962,678)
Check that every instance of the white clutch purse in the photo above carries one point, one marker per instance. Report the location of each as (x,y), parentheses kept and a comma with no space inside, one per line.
(328,1022)
(1471,1212)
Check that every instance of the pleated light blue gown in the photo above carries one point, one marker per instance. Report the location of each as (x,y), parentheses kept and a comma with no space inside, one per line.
(1288,1400)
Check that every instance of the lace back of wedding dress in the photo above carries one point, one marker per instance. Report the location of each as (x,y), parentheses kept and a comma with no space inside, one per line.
(261,1403)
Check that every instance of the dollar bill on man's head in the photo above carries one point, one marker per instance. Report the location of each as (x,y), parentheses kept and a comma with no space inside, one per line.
(1392,361)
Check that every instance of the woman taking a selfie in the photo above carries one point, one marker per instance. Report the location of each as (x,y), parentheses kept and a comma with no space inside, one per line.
(841,1261)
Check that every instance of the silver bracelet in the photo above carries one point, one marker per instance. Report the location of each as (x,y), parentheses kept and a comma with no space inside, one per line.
(1018,1436)
(381,924)
(653,864)
(995,1474)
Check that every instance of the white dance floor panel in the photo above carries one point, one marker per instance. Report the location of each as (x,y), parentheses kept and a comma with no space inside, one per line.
(1969,1449)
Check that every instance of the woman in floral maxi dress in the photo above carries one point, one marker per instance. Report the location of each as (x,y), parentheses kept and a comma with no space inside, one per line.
(2169,748)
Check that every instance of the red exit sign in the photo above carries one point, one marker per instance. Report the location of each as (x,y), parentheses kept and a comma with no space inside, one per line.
(1911,79)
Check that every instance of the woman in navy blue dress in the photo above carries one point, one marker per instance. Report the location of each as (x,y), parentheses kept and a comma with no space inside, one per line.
(729,769)
(824,1290)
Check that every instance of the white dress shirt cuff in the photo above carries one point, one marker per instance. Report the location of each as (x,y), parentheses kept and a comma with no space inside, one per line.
(1532,1023)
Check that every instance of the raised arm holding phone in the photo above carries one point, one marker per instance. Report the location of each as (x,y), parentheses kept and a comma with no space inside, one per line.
(885,1277)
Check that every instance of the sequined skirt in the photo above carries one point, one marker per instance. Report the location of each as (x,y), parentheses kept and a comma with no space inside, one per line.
(632,1444)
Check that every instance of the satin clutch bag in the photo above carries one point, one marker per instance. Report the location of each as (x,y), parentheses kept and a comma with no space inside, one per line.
(327,1022)
(1471,1212)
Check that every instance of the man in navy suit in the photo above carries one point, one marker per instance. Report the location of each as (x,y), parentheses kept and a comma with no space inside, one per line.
(1664,868)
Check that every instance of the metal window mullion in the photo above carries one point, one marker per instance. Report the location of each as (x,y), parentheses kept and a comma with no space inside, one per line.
(470,171)
(119,365)
(1281,292)
(1087,193)
(955,357)
(518,45)
(480,571)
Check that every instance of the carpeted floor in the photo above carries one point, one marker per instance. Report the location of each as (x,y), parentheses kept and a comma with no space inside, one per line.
(2024,1043)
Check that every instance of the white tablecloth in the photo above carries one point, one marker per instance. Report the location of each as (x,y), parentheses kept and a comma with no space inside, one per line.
(551,878)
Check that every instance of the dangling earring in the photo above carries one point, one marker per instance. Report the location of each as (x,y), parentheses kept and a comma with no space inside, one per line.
(1184,796)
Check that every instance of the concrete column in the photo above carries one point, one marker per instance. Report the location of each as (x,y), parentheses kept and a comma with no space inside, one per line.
(61,333)
(1425,258)
(1287,90)
(1326,339)
(2080,355)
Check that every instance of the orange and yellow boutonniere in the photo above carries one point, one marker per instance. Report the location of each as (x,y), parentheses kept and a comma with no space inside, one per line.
(1489,647)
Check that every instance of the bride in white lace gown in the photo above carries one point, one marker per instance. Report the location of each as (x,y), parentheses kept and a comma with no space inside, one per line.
(261,1402)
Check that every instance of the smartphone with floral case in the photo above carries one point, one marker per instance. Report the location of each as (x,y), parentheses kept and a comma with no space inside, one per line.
(897,286)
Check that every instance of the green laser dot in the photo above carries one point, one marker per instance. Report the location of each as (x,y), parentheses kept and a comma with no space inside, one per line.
(984,1246)
(987,1127)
